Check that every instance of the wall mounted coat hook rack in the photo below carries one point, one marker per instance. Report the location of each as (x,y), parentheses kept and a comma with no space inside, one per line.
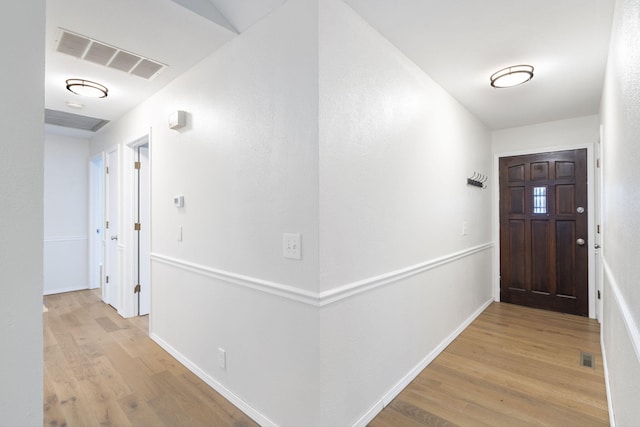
(478,180)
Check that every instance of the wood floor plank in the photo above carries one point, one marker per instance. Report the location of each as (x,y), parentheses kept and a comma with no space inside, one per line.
(157,360)
(140,413)
(138,379)
(110,380)
(53,415)
(190,399)
(391,417)
(417,414)
(468,408)
(211,397)
(103,403)
(71,400)
(512,366)
(107,324)
(540,377)
(101,369)
(172,412)
(510,399)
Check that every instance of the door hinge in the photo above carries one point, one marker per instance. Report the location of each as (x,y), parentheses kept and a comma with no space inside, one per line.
(597,163)
(106,279)
(136,226)
(136,290)
(136,165)
(107,225)
(599,295)
(106,169)
(598,228)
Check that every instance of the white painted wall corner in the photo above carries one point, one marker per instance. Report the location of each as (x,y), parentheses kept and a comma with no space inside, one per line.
(413,373)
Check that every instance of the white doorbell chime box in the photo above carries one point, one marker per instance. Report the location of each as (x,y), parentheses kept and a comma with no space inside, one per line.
(177,119)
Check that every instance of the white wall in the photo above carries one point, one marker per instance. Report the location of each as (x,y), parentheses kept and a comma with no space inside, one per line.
(246,164)
(66,179)
(21,187)
(620,111)
(547,136)
(395,153)
(312,123)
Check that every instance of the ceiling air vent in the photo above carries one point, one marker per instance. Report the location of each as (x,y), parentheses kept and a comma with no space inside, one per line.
(146,68)
(72,44)
(100,53)
(124,61)
(75,121)
(91,50)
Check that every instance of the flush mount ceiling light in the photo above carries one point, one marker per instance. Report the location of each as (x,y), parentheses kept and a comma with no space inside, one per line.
(87,88)
(512,76)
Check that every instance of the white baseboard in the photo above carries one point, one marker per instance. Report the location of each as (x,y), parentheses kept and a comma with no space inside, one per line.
(63,290)
(612,418)
(413,373)
(225,392)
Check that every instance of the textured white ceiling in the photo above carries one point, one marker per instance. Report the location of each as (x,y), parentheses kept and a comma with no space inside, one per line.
(158,29)
(244,13)
(459,43)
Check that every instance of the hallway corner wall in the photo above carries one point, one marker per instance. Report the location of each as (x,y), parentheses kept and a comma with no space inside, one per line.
(274,144)
(405,244)
(246,166)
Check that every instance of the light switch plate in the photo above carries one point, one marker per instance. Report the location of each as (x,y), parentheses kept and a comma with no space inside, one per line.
(465,228)
(291,246)
(222,358)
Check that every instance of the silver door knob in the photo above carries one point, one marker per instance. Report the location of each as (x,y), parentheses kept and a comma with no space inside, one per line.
(580,209)
(579,242)
(114,237)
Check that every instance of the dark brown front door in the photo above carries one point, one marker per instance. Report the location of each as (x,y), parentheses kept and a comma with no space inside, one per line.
(543,231)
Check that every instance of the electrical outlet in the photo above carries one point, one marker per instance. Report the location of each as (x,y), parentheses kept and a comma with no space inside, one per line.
(222,358)
(291,246)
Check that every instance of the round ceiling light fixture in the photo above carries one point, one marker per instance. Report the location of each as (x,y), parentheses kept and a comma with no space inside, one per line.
(512,76)
(87,88)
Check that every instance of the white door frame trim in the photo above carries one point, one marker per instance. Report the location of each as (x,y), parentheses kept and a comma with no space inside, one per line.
(119,246)
(128,209)
(94,258)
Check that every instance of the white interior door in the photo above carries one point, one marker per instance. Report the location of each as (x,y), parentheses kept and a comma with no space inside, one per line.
(111,291)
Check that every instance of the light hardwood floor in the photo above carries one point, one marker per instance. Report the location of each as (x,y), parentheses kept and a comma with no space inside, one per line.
(512,366)
(103,370)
